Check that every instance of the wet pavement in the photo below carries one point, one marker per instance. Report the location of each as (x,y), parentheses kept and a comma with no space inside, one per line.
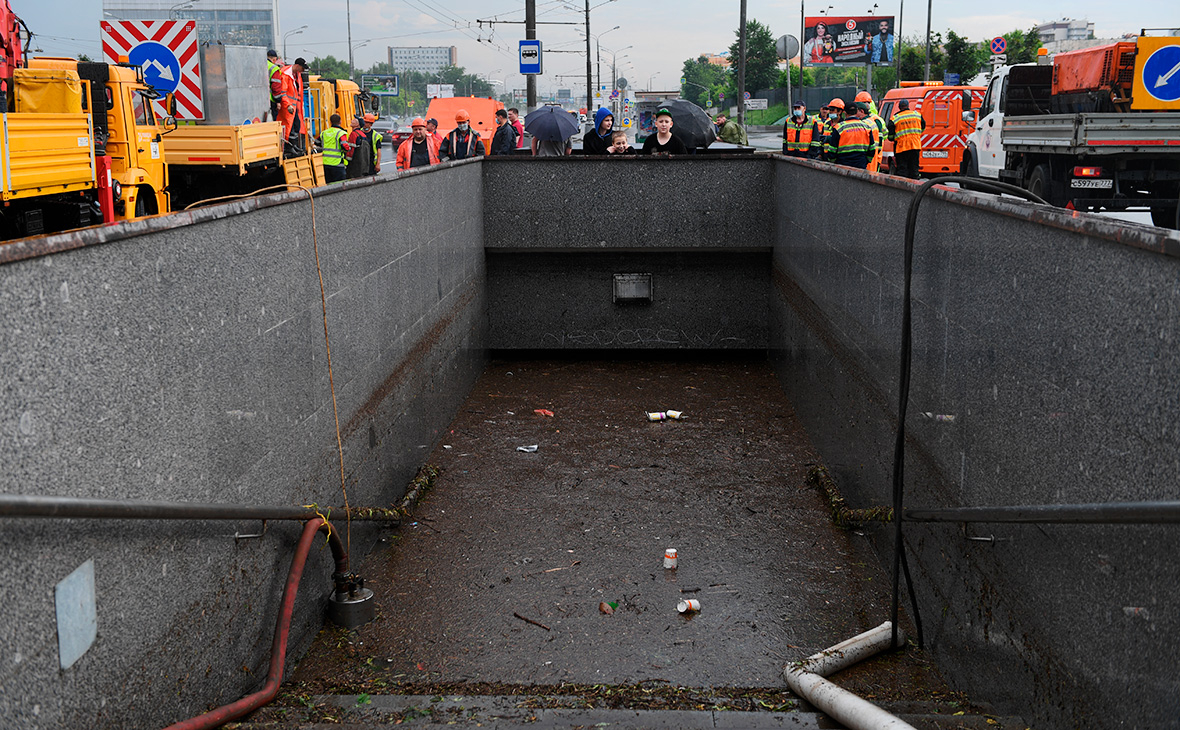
(498,577)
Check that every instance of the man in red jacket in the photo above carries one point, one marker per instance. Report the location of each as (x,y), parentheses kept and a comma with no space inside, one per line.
(419,150)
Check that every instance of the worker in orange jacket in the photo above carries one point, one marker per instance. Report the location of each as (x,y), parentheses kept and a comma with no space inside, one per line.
(419,150)
(291,104)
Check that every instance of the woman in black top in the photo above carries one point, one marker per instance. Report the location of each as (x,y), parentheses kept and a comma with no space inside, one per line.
(662,142)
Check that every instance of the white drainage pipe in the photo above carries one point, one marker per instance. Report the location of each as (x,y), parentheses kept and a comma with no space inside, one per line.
(806,679)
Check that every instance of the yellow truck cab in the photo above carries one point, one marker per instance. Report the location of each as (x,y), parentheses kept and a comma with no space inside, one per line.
(125,129)
(326,97)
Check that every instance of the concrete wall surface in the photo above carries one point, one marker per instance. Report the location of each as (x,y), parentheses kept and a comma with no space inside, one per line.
(183,358)
(597,203)
(700,300)
(1051,342)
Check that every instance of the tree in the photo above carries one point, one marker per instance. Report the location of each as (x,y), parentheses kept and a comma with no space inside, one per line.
(963,57)
(329,67)
(702,80)
(761,56)
(913,58)
(793,71)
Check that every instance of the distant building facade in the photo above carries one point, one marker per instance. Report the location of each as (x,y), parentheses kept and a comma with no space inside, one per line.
(233,22)
(1065,30)
(423,59)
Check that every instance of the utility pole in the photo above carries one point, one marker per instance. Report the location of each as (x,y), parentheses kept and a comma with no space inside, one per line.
(348,21)
(589,63)
(897,44)
(741,100)
(929,3)
(530,33)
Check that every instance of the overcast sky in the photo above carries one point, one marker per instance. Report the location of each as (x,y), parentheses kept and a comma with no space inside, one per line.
(652,41)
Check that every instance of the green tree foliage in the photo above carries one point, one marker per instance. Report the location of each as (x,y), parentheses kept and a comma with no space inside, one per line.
(329,67)
(795,74)
(913,58)
(1022,45)
(964,57)
(703,80)
(761,56)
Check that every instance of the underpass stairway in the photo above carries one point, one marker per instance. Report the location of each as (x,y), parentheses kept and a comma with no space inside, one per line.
(373,712)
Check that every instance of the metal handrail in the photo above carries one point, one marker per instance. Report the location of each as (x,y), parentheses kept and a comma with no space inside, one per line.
(1118,513)
(24,505)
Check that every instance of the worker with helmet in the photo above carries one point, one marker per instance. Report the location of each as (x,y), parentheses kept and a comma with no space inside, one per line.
(802,135)
(291,105)
(366,148)
(905,129)
(419,150)
(879,128)
(829,117)
(462,142)
(274,75)
(851,142)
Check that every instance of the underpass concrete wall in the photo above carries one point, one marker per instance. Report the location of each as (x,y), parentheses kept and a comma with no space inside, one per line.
(1045,350)
(183,358)
(559,230)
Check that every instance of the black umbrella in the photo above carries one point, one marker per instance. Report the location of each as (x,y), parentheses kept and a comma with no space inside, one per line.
(550,123)
(690,124)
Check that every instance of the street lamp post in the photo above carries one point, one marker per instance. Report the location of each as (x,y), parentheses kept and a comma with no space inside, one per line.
(598,53)
(650,79)
(351,49)
(175,10)
(287,35)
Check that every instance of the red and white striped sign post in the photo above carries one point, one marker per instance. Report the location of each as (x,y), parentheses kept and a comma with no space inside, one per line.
(167,50)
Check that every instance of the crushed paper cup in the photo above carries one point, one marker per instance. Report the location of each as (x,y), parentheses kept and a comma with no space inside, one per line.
(527,449)
(688,605)
(670,558)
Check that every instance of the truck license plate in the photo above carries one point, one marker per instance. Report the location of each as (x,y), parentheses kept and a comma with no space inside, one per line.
(936,153)
(1091,183)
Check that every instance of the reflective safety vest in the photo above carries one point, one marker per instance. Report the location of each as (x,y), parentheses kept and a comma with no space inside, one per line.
(855,137)
(798,139)
(273,68)
(907,130)
(333,138)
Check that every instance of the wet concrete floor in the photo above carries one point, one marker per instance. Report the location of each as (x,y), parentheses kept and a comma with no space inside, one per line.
(499,574)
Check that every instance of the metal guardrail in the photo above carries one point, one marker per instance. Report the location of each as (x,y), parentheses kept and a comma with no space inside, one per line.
(19,505)
(1124,513)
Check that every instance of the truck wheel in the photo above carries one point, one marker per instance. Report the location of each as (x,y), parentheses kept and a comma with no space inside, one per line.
(1164,217)
(1040,184)
(972,163)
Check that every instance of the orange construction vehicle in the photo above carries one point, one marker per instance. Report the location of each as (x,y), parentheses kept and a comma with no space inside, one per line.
(481,110)
(946,132)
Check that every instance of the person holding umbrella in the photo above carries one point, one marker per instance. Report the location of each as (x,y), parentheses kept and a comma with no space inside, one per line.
(551,128)
(663,142)
(598,140)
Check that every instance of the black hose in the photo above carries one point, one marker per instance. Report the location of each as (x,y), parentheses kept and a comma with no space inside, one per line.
(899,559)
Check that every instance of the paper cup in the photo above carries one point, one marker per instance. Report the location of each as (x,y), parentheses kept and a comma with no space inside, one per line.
(687,605)
(670,558)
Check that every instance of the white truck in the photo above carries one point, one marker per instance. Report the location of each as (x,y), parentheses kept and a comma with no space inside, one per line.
(1091,131)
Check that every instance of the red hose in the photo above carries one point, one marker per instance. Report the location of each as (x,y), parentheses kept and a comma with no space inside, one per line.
(278,651)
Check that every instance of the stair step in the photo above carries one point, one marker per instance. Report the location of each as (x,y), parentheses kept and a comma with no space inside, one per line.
(341,712)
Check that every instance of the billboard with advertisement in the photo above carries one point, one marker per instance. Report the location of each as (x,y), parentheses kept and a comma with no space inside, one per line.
(848,41)
(379,85)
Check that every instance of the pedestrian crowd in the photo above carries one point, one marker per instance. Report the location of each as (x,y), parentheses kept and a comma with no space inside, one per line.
(854,134)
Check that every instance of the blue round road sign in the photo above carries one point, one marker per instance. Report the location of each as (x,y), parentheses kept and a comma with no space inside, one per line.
(999,45)
(161,70)
(1161,73)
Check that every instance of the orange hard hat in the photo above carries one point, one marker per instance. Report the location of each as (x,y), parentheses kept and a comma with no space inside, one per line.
(418,122)
(863,96)
(370,118)
(462,116)
(836,104)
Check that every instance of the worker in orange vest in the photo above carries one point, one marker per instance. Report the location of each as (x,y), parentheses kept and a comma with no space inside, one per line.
(419,150)
(878,123)
(905,129)
(291,104)
(802,136)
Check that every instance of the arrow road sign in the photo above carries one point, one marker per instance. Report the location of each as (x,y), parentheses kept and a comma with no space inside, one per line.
(1161,73)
